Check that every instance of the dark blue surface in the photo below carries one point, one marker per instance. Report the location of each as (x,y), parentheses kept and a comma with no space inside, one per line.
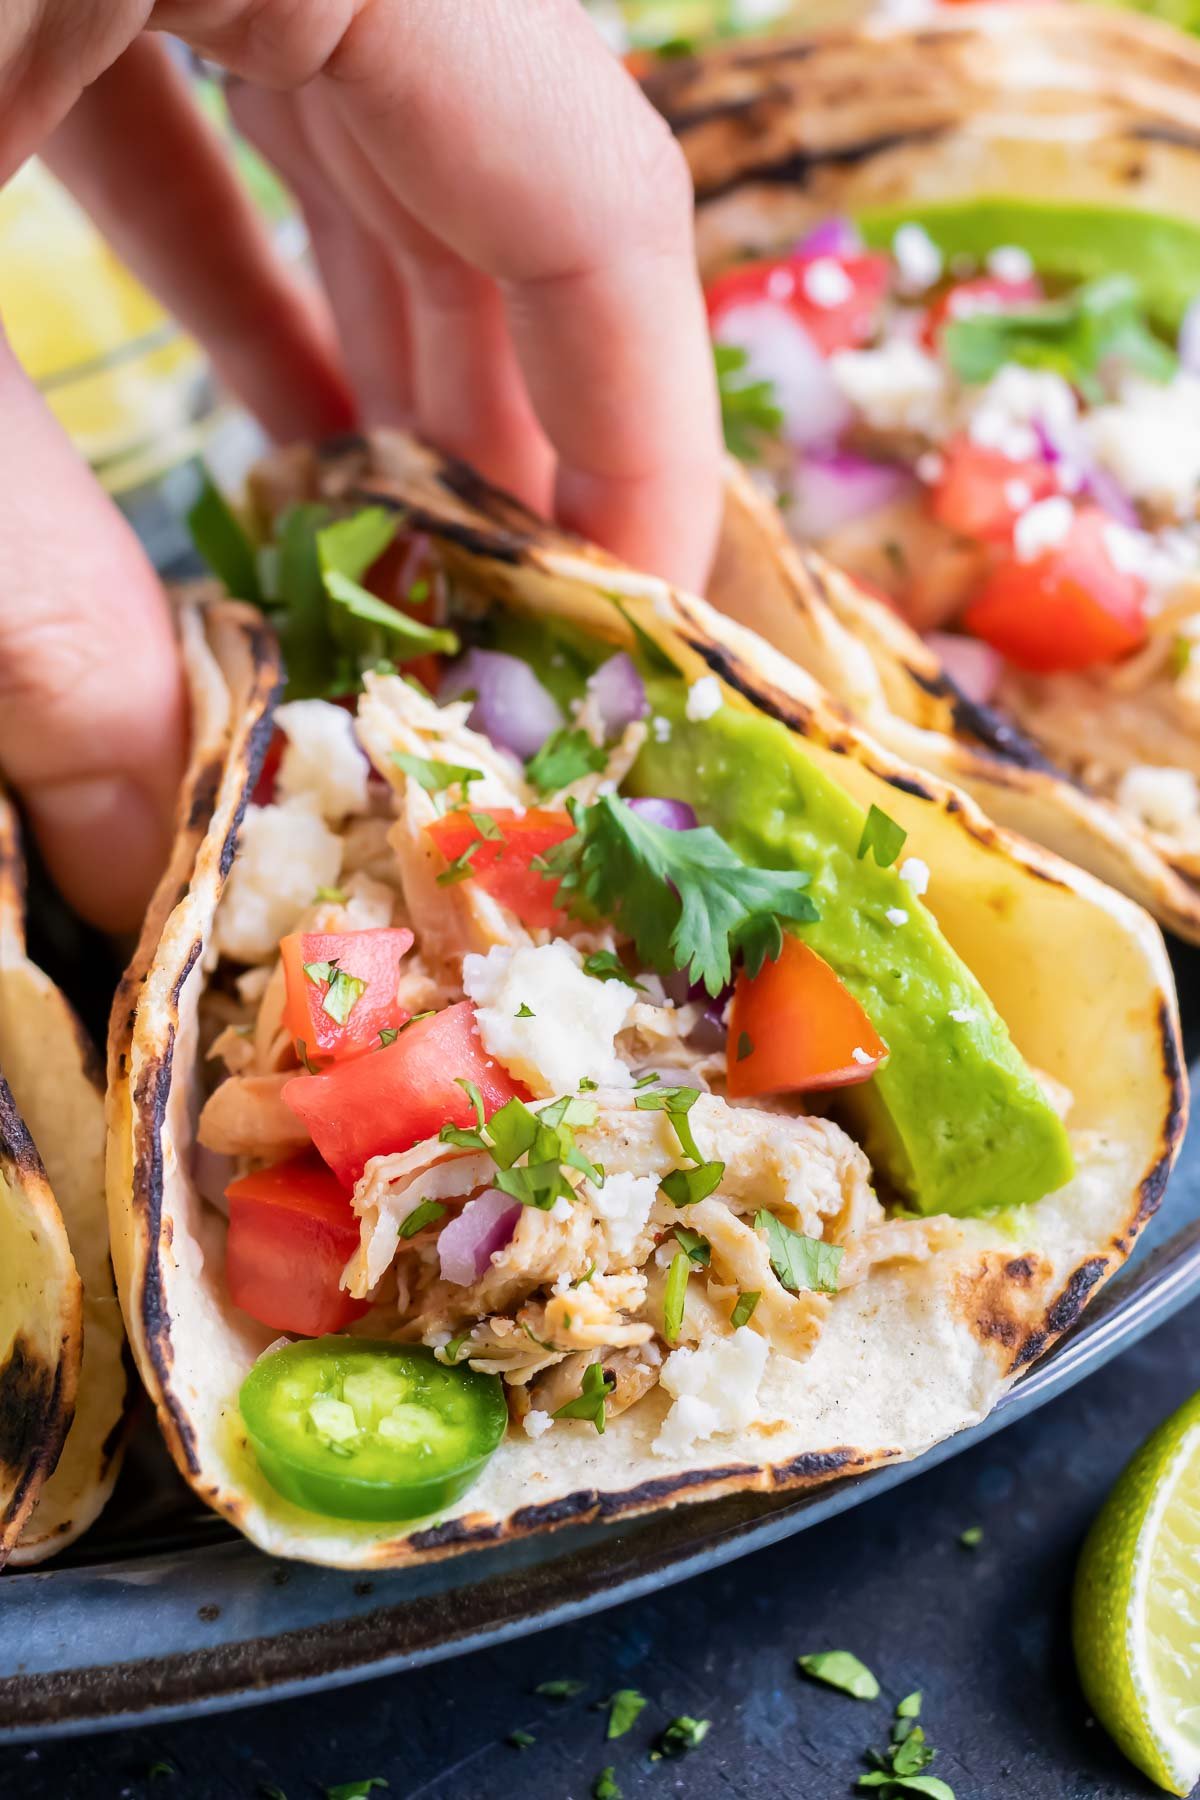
(983,1633)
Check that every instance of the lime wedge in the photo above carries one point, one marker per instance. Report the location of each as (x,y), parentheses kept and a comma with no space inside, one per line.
(1137,1607)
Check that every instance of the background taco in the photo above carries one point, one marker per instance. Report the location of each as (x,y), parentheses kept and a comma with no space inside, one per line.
(1072,968)
(968,258)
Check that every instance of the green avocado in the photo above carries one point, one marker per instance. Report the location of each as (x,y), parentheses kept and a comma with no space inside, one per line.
(1070,243)
(954,1116)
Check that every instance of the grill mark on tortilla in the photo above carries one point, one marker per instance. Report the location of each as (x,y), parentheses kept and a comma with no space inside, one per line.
(992,728)
(1065,1309)
(29,1387)
(1167,134)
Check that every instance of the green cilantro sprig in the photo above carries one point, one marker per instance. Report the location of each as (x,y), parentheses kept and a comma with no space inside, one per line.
(427,1212)
(589,1404)
(606,965)
(342,992)
(546,1139)
(435,777)
(750,412)
(801,1264)
(566,755)
(881,837)
(900,1769)
(625,1707)
(1072,336)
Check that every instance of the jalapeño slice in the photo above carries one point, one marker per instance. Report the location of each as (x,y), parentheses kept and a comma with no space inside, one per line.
(362,1429)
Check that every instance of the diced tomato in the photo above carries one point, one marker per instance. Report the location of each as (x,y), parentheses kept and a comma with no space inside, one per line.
(789,281)
(982,494)
(1066,609)
(983,293)
(503,865)
(292,1231)
(381,1104)
(797,1026)
(370,956)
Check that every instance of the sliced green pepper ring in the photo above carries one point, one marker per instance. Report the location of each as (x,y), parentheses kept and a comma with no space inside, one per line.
(357,1428)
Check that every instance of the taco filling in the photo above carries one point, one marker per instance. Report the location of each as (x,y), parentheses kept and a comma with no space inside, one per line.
(569,1029)
(990,416)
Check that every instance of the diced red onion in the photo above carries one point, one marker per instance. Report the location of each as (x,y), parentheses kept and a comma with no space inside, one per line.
(709,1031)
(832,237)
(973,666)
(1108,494)
(780,350)
(673,815)
(619,693)
(835,490)
(511,705)
(1189,340)
(467,1244)
(212,1172)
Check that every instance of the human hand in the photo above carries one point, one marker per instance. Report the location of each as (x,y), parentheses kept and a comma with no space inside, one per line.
(503,229)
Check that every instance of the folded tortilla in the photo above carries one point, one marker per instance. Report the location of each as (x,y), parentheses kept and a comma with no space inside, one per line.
(64,1391)
(1064,107)
(913,1353)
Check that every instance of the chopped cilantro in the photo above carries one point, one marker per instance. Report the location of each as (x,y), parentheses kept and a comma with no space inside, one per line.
(475,1097)
(698,1248)
(683,1187)
(564,1688)
(162,1768)
(910,1706)
(525,1012)
(624,1708)
(342,996)
(800,1263)
(427,1212)
(355,1790)
(435,777)
(335,896)
(302,1052)
(460,868)
(388,1035)
(512,1131)
(681,1735)
(604,1787)
(318,972)
(745,1046)
(266,1790)
(677,1103)
(882,836)
(1179,655)
(453,1350)
(536,1184)
(674,1295)
(972,1537)
(598,1384)
(649,652)
(750,412)
(743,1312)
(899,1769)
(688,901)
(646,1080)
(566,755)
(487,827)
(583,1279)
(606,965)
(414,638)
(587,1085)
(1073,336)
(349,546)
(520,1740)
(224,544)
(842,1670)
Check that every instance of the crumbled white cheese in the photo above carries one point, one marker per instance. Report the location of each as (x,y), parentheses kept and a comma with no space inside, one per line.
(861,1056)
(1166,799)
(896,915)
(1006,411)
(322,762)
(962,1015)
(624,1204)
(781,283)
(1151,442)
(1129,551)
(560,1212)
(1018,494)
(368,903)
(285,853)
(897,387)
(918,259)
(576,1017)
(826,283)
(704,698)
(1008,262)
(536,1423)
(1044,526)
(916,873)
(661,727)
(714,1388)
(930,467)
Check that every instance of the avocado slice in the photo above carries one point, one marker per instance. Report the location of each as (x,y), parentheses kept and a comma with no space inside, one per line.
(1071,243)
(954,1117)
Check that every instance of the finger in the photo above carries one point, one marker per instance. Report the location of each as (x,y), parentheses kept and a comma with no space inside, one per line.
(359,275)
(578,204)
(197,241)
(468,393)
(91,696)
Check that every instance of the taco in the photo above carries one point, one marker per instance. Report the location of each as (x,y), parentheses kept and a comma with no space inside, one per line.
(562,1097)
(953,274)
(63,1384)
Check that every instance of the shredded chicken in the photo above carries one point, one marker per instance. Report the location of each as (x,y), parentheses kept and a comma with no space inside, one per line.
(247,1116)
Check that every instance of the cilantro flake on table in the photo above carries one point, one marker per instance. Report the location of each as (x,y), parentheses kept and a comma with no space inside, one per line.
(605,1787)
(841,1669)
(900,1769)
(520,1740)
(686,898)
(750,411)
(355,1790)
(160,1770)
(681,1735)
(562,1688)
(589,1404)
(802,1264)
(972,1537)
(624,1707)
(567,754)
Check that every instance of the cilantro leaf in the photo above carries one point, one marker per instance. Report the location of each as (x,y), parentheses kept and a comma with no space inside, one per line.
(802,1264)
(512,1130)
(929,1785)
(675,1295)
(342,996)
(388,1035)
(453,1349)
(606,965)
(683,1187)
(841,1669)
(972,1537)
(335,896)
(520,1740)
(651,653)
(750,411)
(475,1097)
(697,1246)
(598,1384)
(525,1012)
(460,868)
(910,1706)
(355,1790)
(682,1734)
(566,754)
(743,1312)
(605,1787)
(624,1708)
(414,638)
(1072,336)
(687,900)
(427,1212)
(882,837)
(564,1688)
(677,1103)
(349,546)
(435,777)
(222,541)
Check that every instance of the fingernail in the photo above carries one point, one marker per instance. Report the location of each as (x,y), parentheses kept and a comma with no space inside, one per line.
(105,843)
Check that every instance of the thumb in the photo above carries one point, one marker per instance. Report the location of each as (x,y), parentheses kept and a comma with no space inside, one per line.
(92,711)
